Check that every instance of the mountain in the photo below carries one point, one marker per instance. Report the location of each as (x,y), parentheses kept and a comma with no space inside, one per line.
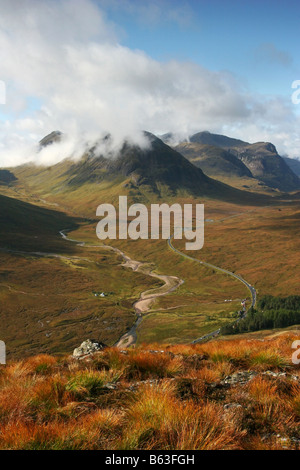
(217,140)
(49,139)
(155,170)
(213,161)
(261,159)
(266,165)
(154,166)
(293,164)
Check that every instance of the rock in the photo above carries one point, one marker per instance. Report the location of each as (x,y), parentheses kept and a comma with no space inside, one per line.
(287,442)
(110,386)
(133,387)
(242,377)
(270,373)
(87,347)
(232,406)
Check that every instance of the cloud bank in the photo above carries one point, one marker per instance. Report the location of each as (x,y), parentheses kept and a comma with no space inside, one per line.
(64,68)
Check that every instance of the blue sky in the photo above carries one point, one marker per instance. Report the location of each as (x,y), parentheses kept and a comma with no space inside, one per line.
(87,67)
(256,40)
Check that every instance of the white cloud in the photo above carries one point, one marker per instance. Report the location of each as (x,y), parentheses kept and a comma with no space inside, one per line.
(66,56)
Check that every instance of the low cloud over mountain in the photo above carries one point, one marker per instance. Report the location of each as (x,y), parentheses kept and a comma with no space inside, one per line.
(65,68)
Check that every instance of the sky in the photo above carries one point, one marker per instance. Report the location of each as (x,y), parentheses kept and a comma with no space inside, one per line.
(88,67)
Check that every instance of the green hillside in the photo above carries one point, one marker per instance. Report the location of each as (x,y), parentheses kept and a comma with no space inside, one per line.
(25,226)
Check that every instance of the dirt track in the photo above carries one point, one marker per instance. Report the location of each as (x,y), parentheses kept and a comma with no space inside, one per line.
(143,304)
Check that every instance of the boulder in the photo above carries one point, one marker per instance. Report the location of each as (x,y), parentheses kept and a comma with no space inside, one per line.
(87,347)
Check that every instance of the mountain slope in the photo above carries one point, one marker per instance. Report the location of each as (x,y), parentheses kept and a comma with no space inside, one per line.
(260,158)
(6,177)
(156,165)
(217,140)
(213,161)
(25,226)
(265,164)
(157,169)
(293,164)
(223,395)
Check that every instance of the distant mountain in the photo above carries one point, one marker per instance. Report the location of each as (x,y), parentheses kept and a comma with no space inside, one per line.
(261,159)
(156,169)
(266,165)
(168,138)
(217,140)
(213,161)
(55,136)
(293,164)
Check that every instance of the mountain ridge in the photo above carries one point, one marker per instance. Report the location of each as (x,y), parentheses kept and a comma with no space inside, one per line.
(157,166)
(261,158)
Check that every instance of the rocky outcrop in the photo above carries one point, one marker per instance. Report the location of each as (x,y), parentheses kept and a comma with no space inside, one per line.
(87,348)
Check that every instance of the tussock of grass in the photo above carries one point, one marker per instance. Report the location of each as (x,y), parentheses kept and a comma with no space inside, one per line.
(142,364)
(171,397)
(269,360)
(89,383)
(158,420)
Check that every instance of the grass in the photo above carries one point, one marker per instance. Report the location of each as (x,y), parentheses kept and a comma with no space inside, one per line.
(167,397)
(157,420)
(269,359)
(47,306)
(260,243)
(90,383)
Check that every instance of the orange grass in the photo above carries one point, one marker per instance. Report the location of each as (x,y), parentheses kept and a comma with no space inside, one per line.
(171,397)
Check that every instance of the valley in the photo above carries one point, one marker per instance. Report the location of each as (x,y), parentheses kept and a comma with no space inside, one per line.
(53,265)
(149,228)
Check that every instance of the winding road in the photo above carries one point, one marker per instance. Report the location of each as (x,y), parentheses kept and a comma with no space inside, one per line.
(143,304)
(224,271)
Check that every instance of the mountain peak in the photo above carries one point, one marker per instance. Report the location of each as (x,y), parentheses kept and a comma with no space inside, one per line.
(260,159)
(218,140)
(51,138)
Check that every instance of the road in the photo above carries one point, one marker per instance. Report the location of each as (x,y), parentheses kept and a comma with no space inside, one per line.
(142,305)
(224,271)
(146,299)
